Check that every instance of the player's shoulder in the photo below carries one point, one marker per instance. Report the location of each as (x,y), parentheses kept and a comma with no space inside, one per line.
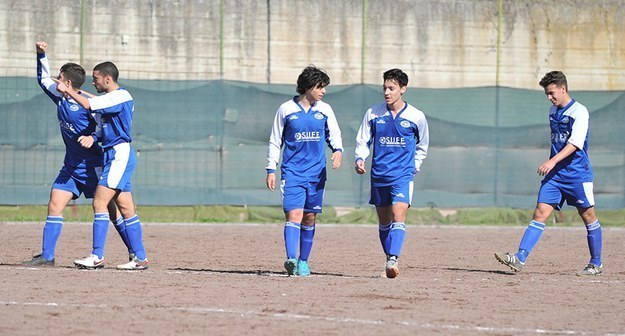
(121,94)
(324,108)
(411,109)
(578,107)
(288,107)
(377,110)
(413,114)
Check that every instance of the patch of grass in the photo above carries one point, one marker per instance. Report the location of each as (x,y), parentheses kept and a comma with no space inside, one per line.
(266,214)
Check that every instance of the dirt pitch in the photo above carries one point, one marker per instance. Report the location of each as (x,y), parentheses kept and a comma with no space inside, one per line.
(227,279)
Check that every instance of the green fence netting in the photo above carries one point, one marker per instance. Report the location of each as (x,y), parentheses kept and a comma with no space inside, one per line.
(205,142)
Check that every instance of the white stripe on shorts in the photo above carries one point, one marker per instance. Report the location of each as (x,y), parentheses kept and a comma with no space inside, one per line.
(119,164)
(589,193)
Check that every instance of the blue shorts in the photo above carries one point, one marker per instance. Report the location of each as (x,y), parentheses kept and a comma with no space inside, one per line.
(78,181)
(119,164)
(302,195)
(577,194)
(389,195)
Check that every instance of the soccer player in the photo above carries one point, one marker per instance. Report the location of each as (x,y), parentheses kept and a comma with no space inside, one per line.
(398,133)
(81,166)
(116,107)
(301,126)
(567,176)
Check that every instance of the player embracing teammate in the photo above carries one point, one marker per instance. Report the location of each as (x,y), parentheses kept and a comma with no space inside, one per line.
(116,108)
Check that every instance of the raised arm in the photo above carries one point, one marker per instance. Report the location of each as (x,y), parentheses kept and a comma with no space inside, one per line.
(44,79)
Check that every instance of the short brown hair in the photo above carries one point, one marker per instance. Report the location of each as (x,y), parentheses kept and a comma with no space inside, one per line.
(554,77)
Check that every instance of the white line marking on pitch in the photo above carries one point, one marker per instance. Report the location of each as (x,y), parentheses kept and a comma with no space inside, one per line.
(286,316)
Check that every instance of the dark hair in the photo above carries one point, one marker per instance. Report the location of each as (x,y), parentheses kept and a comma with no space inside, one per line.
(75,73)
(107,69)
(554,77)
(397,75)
(310,78)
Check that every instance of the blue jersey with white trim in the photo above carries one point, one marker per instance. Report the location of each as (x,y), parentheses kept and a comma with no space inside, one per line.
(399,143)
(570,125)
(74,121)
(302,134)
(116,108)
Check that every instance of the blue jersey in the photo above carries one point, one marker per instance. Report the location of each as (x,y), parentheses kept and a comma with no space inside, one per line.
(74,122)
(570,125)
(116,109)
(303,134)
(399,143)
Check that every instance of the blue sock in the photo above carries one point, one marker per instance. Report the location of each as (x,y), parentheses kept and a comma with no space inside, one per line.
(291,239)
(385,240)
(531,236)
(135,237)
(100,228)
(307,234)
(397,235)
(120,226)
(51,233)
(595,241)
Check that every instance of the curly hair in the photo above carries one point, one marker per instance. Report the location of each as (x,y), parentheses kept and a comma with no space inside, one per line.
(312,77)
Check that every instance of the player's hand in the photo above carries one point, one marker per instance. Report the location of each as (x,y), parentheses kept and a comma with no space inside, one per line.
(360,167)
(86,141)
(61,87)
(545,168)
(337,158)
(41,47)
(271,181)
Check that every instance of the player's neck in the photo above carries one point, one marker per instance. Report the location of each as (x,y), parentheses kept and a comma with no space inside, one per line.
(112,88)
(396,106)
(304,102)
(565,102)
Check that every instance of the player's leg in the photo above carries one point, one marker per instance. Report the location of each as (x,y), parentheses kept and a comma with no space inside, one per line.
(115,216)
(52,228)
(64,189)
(534,230)
(581,195)
(549,197)
(307,235)
(101,199)
(120,226)
(402,197)
(594,237)
(293,200)
(126,205)
(380,197)
(313,205)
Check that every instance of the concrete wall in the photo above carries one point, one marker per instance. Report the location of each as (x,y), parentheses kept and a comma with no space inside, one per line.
(440,43)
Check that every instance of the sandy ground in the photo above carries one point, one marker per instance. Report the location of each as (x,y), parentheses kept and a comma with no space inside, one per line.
(227,279)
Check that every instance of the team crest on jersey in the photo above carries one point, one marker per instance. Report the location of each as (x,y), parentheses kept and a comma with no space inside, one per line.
(565,120)
(73,107)
(405,123)
(319,116)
